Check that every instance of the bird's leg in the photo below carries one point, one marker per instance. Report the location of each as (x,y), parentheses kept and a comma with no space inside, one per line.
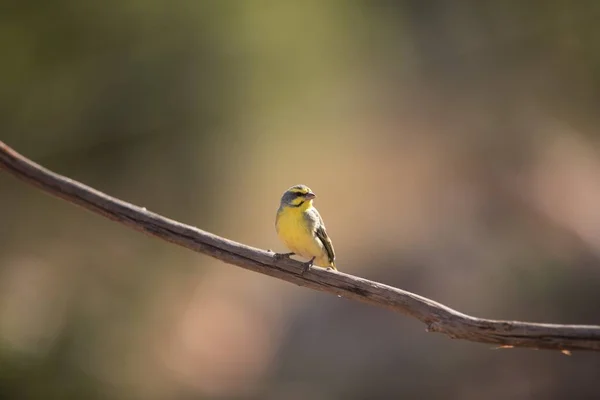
(280,256)
(307,265)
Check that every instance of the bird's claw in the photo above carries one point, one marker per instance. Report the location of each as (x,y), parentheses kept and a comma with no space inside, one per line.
(281,256)
(307,266)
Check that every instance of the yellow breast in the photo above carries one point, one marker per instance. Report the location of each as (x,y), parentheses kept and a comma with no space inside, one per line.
(294,232)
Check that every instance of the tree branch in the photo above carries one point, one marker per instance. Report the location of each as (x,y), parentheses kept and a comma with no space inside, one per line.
(436,316)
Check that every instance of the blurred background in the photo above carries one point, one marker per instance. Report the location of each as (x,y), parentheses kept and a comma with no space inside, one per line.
(454,148)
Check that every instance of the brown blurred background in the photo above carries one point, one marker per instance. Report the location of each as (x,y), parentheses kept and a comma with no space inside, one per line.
(454,149)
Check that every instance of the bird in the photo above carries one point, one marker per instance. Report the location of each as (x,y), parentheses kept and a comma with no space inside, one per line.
(300,227)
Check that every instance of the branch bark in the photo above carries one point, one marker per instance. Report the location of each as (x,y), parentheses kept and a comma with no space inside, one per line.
(436,316)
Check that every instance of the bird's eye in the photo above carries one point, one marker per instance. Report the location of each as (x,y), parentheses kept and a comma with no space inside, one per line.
(300,194)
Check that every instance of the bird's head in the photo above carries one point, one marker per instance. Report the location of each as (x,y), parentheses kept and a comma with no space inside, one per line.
(298,196)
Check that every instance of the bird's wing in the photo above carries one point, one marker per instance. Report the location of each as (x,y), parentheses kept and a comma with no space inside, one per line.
(321,233)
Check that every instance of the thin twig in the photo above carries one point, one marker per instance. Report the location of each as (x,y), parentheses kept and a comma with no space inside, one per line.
(437,317)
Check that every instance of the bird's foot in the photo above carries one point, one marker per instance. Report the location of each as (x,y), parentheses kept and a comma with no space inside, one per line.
(307,265)
(281,256)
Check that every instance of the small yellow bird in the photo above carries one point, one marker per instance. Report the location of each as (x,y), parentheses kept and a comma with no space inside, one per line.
(301,229)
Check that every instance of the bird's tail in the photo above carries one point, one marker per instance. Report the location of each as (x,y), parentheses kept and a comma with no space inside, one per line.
(332,264)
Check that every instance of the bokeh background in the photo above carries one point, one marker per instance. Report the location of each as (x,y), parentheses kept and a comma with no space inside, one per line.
(454,148)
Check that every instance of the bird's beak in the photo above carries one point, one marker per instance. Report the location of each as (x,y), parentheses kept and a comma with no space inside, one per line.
(310,196)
